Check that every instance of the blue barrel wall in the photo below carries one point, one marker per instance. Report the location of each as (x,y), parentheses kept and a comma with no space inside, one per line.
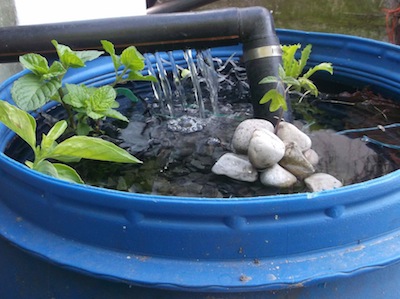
(62,240)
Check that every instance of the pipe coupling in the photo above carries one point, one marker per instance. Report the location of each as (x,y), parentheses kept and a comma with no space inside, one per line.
(262,52)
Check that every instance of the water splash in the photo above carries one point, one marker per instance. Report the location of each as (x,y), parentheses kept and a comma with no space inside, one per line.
(156,86)
(210,76)
(186,115)
(176,78)
(165,85)
(189,112)
(196,82)
(169,91)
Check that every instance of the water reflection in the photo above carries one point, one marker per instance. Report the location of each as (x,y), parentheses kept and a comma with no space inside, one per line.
(349,160)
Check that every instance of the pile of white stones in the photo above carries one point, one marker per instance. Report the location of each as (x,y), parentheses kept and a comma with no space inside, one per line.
(278,160)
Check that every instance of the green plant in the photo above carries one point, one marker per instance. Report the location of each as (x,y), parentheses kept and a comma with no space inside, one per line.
(83,104)
(70,150)
(291,77)
(131,61)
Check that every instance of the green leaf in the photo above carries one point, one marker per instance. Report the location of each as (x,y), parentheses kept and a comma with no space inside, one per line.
(55,132)
(95,102)
(45,167)
(77,95)
(269,79)
(29,164)
(65,159)
(138,76)
(93,148)
(95,115)
(67,173)
(276,98)
(67,57)
(88,55)
(281,72)
(74,59)
(20,122)
(109,48)
(305,55)
(31,93)
(56,170)
(290,81)
(325,66)
(132,59)
(102,98)
(83,127)
(36,63)
(290,64)
(308,85)
(70,59)
(56,69)
(115,114)
(126,92)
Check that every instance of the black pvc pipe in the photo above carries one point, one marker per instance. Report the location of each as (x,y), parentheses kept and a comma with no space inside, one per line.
(177,6)
(253,27)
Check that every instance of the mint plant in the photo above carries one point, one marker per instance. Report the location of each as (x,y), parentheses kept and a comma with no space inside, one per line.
(94,103)
(131,61)
(35,89)
(291,77)
(84,105)
(72,149)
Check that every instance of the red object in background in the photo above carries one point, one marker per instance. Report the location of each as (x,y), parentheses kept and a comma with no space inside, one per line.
(392,25)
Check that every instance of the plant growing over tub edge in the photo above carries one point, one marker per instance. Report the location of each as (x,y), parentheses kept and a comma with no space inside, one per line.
(292,78)
(44,83)
(70,150)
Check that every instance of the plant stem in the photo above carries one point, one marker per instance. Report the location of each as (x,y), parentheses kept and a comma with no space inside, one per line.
(119,78)
(68,109)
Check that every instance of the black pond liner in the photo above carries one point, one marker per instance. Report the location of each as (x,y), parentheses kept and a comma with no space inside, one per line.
(307,244)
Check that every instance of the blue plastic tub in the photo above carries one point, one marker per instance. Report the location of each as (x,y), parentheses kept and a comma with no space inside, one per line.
(65,240)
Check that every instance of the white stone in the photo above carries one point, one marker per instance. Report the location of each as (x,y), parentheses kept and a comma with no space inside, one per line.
(244,132)
(277,176)
(311,156)
(235,166)
(265,149)
(288,132)
(322,181)
(295,162)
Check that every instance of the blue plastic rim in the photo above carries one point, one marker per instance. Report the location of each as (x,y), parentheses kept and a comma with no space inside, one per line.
(261,243)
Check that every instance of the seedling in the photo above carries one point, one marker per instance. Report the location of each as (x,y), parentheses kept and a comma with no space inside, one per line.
(84,105)
(290,77)
(72,149)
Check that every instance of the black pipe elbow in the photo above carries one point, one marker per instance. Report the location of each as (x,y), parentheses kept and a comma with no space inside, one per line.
(253,27)
(262,55)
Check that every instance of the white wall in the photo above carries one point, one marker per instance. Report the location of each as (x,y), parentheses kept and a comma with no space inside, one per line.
(52,11)
(49,11)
